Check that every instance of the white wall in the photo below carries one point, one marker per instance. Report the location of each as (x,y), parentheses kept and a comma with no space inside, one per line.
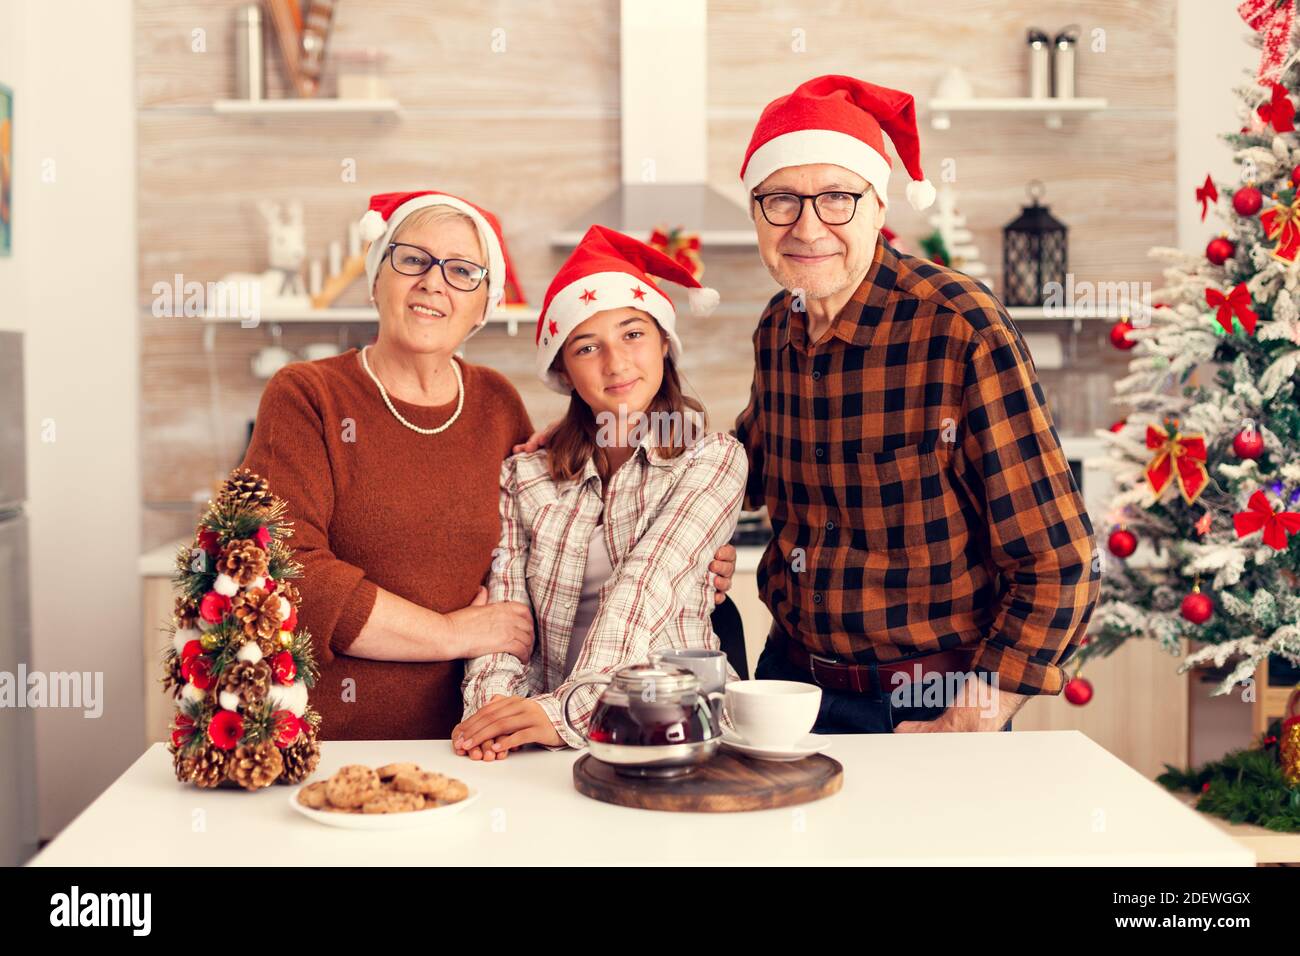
(1212,54)
(70,287)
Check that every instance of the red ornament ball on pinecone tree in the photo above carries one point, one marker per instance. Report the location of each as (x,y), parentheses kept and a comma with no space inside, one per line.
(1249,443)
(1078,691)
(1119,425)
(1295,176)
(1197,608)
(1119,336)
(1122,542)
(1220,250)
(1247,201)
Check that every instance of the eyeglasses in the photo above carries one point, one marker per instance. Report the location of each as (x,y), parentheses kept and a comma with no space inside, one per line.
(413,261)
(834,207)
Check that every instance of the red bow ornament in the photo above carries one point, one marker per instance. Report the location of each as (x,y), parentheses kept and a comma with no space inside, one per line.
(1277,525)
(1273,20)
(680,246)
(1282,223)
(1206,194)
(1236,302)
(1279,111)
(1177,454)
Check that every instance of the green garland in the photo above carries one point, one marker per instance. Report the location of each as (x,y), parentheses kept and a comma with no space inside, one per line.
(1246,786)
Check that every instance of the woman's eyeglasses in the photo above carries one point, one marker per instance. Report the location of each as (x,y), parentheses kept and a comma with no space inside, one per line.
(413,261)
(835,207)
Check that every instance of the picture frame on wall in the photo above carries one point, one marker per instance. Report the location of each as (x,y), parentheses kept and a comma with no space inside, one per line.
(6,170)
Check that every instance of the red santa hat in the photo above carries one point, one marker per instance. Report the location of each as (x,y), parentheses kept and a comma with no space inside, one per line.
(839,120)
(388,210)
(609,270)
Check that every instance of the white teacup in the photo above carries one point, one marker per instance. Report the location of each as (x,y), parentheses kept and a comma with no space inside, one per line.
(774,714)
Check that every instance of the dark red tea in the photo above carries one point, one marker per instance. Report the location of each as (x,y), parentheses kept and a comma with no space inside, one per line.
(645,724)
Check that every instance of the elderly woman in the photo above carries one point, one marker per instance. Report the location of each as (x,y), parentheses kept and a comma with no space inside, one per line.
(389,459)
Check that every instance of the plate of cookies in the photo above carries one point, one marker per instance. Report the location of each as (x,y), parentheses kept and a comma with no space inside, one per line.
(391,797)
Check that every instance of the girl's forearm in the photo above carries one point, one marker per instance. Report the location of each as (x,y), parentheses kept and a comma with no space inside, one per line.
(401,630)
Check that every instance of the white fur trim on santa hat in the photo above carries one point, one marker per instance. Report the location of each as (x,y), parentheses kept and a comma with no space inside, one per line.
(806,147)
(610,290)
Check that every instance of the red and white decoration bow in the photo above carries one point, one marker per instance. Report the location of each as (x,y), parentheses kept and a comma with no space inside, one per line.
(1277,525)
(1273,20)
(680,246)
(1282,223)
(1206,194)
(1279,111)
(1180,455)
(1236,302)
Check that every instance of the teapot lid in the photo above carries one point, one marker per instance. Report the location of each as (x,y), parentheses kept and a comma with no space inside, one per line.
(664,678)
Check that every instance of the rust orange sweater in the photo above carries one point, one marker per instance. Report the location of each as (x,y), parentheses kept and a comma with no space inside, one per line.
(376,505)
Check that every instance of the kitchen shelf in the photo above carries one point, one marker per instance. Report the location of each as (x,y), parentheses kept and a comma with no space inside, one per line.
(509,316)
(1050,109)
(306,106)
(1040,313)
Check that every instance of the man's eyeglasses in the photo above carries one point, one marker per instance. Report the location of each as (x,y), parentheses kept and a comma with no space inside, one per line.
(834,207)
(413,261)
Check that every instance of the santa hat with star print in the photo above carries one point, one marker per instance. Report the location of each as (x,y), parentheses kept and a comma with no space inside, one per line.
(609,270)
(388,210)
(839,120)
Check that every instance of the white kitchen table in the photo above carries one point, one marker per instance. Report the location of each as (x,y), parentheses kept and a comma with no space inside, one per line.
(1035,798)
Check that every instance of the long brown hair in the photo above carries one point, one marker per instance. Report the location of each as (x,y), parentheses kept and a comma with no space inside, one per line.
(574,438)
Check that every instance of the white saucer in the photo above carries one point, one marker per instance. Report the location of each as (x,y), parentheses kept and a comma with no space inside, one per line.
(383,821)
(811,744)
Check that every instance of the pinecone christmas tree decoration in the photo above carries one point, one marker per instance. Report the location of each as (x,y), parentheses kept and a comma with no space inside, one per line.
(186,612)
(245,487)
(300,759)
(289,591)
(174,679)
(254,766)
(247,680)
(244,561)
(258,612)
(206,767)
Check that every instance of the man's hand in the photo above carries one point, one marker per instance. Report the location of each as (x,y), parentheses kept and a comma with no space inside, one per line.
(723,566)
(537,439)
(503,724)
(968,718)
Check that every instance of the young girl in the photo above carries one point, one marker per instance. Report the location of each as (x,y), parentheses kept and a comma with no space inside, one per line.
(608,531)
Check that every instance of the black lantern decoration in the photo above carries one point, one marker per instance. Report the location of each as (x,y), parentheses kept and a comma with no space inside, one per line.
(1033,252)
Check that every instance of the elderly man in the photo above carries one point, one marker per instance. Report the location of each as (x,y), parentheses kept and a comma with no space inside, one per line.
(932,563)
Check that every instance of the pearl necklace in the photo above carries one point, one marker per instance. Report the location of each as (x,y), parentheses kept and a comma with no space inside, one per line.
(460,399)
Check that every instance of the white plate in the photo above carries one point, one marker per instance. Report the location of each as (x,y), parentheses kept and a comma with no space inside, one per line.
(382,821)
(811,744)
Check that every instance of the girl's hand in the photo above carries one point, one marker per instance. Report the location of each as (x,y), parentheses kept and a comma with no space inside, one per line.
(503,724)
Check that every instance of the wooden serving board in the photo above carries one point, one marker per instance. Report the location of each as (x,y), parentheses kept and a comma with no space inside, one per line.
(728,783)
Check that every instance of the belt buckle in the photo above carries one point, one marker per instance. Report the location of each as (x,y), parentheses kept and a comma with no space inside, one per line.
(813,659)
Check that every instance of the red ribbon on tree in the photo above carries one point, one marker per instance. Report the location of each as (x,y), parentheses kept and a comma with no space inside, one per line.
(1206,194)
(1282,223)
(680,246)
(1273,20)
(1236,302)
(1277,525)
(1183,455)
(1279,111)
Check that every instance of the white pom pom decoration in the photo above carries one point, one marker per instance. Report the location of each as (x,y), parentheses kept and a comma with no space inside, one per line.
(702,301)
(191,693)
(226,585)
(257,583)
(920,194)
(372,225)
(285,608)
(183,636)
(228,700)
(292,698)
(249,652)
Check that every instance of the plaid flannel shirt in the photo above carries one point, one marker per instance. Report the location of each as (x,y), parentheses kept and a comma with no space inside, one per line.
(918,493)
(664,520)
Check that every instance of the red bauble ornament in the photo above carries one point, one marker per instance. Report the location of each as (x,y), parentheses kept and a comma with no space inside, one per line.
(262,537)
(284,668)
(1122,542)
(191,650)
(287,727)
(1197,608)
(1119,336)
(225,729)
(1078,691)
(1249,443)
(210,542)
(291,621)
(1119,425)
(1295,176)
(200,672)
(1247,201)
(1219,250)
(214,607)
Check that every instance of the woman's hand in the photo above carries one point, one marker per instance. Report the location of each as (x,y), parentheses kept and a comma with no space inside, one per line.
(503,724)
(723,567)
(483,628)
(537,439)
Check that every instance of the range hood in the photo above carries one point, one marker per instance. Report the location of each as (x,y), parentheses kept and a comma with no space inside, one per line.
(663,48)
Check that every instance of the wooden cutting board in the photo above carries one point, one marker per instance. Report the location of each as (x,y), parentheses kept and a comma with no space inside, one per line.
(728,783)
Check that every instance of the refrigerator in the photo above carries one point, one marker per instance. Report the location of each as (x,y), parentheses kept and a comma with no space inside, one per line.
(18,833)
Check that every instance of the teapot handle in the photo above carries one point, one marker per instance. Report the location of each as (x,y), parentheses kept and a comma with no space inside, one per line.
(565,697)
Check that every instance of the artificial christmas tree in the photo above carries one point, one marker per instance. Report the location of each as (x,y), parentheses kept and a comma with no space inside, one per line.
(235,666)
